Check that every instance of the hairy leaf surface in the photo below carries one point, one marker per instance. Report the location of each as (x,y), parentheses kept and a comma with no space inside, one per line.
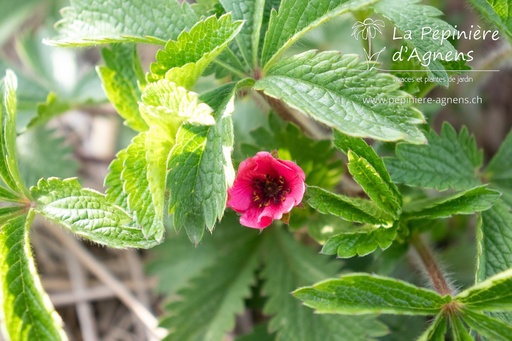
(200,167)
(120,77)
(347,208)
(295,18)
(27,310)
(447,161)
(92,22)
(345,94)
(184,60)
(88,214)
(361,294)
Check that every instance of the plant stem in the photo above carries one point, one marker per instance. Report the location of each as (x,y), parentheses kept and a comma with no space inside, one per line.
(434,272)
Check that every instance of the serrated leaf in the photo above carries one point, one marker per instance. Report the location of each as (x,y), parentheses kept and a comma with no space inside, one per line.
(120,78)
(42,154)
(459,331)
(360,147)
(494,242)
(499,170)
(183,61)
(471,201)
(249,37)
(9,164)
(487,326)
(498,12)
(200,168)
(493,294)
(361,294)
(413,17)
(289,265)
(87,213)
(27,310)
(295,18)
(206,308)
(436,330)
(165,106)
(361,243)
(92,22)
(139,197)
(379,190)
(447,161)
(52,107)
(347,208)
(340,91)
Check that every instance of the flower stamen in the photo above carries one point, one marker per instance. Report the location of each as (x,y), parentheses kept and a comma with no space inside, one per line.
(269,189)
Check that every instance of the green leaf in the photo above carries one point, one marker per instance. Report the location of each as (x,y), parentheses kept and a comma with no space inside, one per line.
(379,190)
(42,154)
(459,331)
(360,147)
(361,242)
(288,265)
(115,193)
(493,294)
(87,213)
(7,195)
(200,168)
(120,77)
(183,61)
(27,310)
(295,18)
(249,38)
(436,330)
(487,326)
(52,107)
(165,106)
(91,22)
(494,245)
(9,164)
(139,196)
(447,161)
(347,208)
(9,212)
(345,94)
(414,17)
(494,241)
(499,170)
(207,307)
(474,200)
(370,294)
(498,12)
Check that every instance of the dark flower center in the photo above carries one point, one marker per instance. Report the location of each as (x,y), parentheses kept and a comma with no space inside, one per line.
(269,189)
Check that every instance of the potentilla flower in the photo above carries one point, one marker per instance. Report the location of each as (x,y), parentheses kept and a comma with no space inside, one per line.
(265,188)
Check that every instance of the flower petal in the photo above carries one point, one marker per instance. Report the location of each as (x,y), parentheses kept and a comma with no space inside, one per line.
(254,218)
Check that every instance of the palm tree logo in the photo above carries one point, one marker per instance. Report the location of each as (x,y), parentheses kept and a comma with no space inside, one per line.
(368,29)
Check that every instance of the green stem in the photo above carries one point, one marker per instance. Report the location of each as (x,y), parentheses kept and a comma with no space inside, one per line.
(434,272)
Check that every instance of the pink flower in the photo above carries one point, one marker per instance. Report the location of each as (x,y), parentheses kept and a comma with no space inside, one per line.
(265,188)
